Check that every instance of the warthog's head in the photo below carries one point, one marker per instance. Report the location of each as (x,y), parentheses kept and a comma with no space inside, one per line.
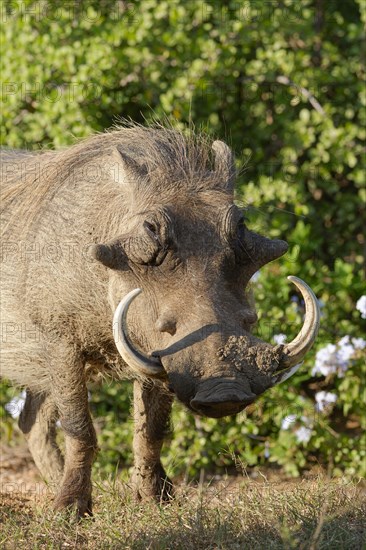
(182,269)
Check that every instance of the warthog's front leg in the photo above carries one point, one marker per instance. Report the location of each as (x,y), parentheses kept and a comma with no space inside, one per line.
(71,397)
(152,407)
(38,422)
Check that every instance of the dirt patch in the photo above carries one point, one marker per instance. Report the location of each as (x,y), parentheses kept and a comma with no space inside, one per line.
(13,503)
(20,482)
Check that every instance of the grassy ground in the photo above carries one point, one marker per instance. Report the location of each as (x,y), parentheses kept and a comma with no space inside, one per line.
(239,513)
(266,512)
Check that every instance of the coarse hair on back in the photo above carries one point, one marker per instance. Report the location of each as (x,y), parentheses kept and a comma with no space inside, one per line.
(174,156)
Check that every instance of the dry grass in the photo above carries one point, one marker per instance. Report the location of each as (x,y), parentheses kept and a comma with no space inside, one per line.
(245,514)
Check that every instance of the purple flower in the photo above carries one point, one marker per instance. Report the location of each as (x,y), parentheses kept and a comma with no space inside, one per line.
(279,338)
(287,421)
(345,349)
(324,399)
(335,359)
(326,360)
(361,306)
(267,452)
(16,405)
(359,343)
(303,434)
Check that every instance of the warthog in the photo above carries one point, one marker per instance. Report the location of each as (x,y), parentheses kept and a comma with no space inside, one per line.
(141,222)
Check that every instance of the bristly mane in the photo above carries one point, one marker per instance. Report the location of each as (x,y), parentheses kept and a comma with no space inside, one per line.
(170,154)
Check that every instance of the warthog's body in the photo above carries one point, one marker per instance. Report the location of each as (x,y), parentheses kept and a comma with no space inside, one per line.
(172,230)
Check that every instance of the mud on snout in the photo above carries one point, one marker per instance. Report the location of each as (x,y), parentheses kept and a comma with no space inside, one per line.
(242,371)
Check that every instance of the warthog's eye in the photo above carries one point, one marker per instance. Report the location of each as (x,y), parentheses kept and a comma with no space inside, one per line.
(156,245)
(241,246)
(155,238)
(240,229)
(152,230)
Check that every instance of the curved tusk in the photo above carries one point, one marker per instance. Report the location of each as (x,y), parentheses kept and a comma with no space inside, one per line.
(285,374)
(145,366)
(294,352)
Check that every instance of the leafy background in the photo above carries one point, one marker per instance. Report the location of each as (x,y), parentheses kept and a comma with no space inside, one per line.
(283,83)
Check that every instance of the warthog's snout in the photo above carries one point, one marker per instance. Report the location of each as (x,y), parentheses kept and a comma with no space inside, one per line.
(221,402)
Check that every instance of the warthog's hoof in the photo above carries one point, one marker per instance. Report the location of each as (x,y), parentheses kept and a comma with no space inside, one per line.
(152,483)
(76,506)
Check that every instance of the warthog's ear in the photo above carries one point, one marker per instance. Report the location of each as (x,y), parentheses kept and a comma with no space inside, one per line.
(110,254)
(124,169)
(224,164)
